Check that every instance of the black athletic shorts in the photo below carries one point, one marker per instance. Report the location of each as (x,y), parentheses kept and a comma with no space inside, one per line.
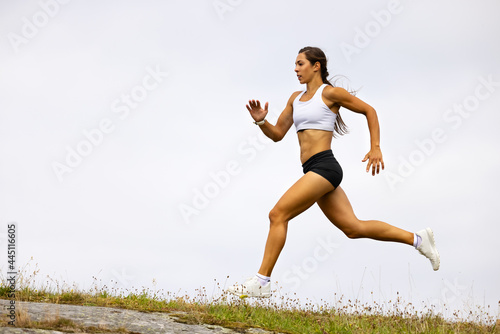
(324,164)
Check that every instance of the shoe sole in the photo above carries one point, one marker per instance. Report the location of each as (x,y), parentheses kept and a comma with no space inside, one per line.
(243,296)
(430,234)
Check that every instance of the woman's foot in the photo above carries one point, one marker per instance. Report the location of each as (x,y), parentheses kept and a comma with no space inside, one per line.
(428,247)
(251,288)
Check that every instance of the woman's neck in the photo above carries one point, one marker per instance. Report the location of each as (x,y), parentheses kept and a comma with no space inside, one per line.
(313,85)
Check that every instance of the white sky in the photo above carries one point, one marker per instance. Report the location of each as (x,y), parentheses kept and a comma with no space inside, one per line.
(117,214)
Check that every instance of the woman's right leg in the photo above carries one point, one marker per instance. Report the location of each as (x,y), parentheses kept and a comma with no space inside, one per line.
(302,195)
(337,208)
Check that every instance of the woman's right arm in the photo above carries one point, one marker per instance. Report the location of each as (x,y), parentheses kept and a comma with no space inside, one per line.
(285,121)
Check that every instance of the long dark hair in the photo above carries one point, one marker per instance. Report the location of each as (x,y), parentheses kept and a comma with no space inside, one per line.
(314,54)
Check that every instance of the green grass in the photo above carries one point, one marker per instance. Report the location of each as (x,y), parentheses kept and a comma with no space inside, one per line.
(279,313)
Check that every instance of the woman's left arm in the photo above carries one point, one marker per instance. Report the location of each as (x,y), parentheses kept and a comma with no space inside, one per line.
(343,98)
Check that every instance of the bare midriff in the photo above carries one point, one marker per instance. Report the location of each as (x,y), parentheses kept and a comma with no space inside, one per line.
(312,142)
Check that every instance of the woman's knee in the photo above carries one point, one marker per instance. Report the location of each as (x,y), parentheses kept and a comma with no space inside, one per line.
(354,230)
(277,216)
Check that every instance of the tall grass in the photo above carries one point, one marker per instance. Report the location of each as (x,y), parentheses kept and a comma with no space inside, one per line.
(283,313)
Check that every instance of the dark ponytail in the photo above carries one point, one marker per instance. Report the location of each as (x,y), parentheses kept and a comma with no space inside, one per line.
(314,55)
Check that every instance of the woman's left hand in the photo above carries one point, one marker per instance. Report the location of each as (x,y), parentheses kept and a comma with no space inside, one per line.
(374,158)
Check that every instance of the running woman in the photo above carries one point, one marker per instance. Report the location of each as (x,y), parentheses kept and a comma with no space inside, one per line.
(315,114)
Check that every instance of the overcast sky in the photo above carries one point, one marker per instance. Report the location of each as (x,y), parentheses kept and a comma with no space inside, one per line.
(127,153)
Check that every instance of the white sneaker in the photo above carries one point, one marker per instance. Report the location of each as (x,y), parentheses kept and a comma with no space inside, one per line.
(251,288)
(428,247)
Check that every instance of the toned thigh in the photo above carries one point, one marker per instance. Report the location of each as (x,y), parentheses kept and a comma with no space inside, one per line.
(337,208)
(302,195)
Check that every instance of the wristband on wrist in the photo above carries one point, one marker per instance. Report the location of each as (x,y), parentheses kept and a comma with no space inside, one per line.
(260,122)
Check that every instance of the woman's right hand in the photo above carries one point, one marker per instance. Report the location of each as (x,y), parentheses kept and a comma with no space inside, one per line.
(256,111)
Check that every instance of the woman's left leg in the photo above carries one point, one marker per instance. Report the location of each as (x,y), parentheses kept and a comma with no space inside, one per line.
(302,195)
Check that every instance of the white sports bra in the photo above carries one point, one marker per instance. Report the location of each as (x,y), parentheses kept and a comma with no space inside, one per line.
(313,114)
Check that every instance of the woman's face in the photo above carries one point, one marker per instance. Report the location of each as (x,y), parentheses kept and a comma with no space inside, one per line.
(304,69)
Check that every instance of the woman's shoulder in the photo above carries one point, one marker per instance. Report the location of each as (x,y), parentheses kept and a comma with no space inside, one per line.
(294,96)
(333,93)
(332,90)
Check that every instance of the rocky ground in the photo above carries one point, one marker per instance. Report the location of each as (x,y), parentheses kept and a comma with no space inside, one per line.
(111,319)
